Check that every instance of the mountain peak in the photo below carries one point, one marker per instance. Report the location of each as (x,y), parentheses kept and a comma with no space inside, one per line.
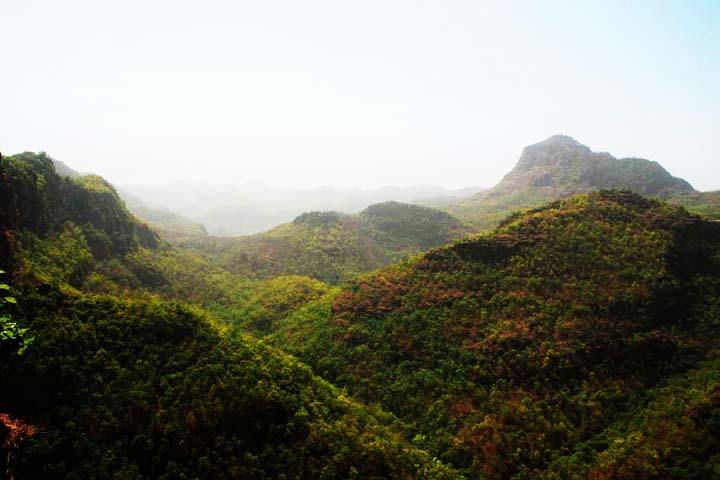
(561,139)
(561,165)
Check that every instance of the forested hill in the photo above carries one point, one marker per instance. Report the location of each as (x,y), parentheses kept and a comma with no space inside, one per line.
(169,225)
(332,246)
(36,202)
(580,340)
(149,390)
(561,166)
(130,386)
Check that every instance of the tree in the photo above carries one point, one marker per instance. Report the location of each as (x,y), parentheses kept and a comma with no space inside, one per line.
(13,339)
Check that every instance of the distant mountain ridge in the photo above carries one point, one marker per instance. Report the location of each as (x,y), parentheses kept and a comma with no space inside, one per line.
(249,208)
(561,166)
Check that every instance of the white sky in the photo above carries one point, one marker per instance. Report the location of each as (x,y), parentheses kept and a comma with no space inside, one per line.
(356,93)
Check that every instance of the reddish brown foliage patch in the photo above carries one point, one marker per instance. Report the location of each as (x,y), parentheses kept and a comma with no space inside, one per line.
(14,431)
(461,407)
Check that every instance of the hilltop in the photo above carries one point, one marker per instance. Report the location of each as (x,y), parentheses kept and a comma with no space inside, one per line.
(561,166)
(536,351)
(332,246)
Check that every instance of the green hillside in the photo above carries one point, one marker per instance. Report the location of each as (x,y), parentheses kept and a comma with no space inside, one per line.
(537,351)
(559,167)
(34,198)
(117,382)
(169,225)
(76,231)
(578,340)
(135,390)
(332,246)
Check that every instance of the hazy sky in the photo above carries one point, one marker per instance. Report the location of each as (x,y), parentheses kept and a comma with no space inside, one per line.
(303,93)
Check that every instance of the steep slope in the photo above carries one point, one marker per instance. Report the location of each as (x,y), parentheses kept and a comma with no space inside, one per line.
(76,231)
(169,225)
(526,353)
(332,246)
(561,166)
(34,198)
(63,169)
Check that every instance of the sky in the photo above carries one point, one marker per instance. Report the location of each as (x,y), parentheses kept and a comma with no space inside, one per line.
(356,93)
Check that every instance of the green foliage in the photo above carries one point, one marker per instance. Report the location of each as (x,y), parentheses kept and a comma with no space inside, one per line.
(702,203)
(671,431)
(150,390)
(75,231)
(273,300)
(63,257)
(33,198)
(579,340)
(332,247)
(507,352)
(486,211)
(410,228)
(13,339)
(327,251)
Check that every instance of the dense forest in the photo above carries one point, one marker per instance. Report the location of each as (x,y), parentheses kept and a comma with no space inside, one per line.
(578,339)
(142,387)
(535,352)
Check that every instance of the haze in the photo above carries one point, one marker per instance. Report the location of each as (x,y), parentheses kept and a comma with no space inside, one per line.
(301,94)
